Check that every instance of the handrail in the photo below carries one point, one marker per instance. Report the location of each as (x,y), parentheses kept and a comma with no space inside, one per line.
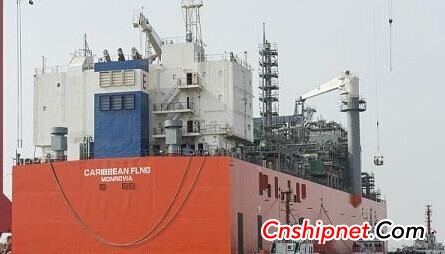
(52,69)
(203,129)
(172,106)
(172,93)
(115,58)
(223,57)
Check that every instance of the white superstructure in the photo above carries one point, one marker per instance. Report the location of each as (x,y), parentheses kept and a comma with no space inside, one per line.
(211,94)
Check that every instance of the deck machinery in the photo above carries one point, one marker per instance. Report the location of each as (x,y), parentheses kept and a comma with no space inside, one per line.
(323,151)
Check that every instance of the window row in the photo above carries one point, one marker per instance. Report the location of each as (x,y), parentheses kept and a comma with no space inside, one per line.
(116,102)
(117,78)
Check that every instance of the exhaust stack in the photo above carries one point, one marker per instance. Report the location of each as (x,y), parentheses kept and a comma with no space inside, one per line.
(173,136)
(59,142)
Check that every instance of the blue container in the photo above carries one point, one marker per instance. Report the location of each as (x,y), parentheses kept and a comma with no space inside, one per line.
(121,125)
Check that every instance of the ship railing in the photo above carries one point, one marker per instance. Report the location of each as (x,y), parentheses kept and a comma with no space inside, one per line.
(83,53)
(191,3)
(88,156)
(115,58)
(264,149)
(295,172)
(161,131)
(203,129)
(193,82)
(223,57)
(173,40)
(52,69)
(348,104)
(215,128)
(214,57)
(173,106)
(271,47)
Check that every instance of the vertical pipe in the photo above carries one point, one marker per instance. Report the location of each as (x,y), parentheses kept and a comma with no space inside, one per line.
(353,105)
(264,33)
(354,149)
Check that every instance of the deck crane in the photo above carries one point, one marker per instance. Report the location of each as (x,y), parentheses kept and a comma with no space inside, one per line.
(152,37)
(352,104)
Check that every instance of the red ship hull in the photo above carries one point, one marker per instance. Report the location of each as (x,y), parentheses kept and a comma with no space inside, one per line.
(164,205)
(5,211)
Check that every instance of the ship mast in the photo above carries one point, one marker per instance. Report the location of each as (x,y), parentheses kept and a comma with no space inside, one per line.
(431,240)
(192,18)
(428,214)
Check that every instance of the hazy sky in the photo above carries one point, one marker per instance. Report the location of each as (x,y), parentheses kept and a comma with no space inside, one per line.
(317,40)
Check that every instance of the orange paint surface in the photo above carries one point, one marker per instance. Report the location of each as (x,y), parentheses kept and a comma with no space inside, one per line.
(246,200)
(204,221)
(43,223)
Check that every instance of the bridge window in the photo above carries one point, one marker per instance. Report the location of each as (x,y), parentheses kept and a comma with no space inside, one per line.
(116,102)
(104,103)
(129,101)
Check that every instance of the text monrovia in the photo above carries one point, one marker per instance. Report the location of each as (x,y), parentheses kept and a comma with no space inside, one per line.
(117,174)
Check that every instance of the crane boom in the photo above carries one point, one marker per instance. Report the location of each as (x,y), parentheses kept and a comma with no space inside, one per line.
(352,104)
(346,83)
(334,84)
(152,36)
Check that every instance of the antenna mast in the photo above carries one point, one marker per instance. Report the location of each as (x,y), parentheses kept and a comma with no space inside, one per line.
(192,18)
(428,214)
(86,48)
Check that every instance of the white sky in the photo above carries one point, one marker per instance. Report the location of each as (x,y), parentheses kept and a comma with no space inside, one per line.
(317,40)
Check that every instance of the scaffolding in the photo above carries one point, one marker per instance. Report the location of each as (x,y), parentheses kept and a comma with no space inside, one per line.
(268,86)
(368,187)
